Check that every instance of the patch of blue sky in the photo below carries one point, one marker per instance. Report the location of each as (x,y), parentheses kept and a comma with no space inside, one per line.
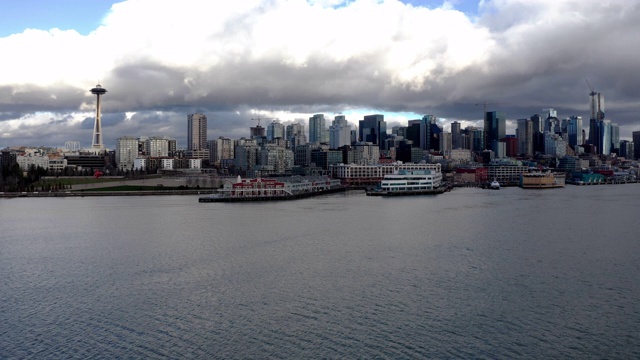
(469,7)
(83,16)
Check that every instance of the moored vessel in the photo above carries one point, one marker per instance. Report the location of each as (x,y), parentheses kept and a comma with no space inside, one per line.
(270,189)
(410,182)
(542,180)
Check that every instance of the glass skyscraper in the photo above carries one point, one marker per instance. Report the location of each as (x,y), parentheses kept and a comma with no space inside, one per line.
(317,129)
(373,129)
(494,127)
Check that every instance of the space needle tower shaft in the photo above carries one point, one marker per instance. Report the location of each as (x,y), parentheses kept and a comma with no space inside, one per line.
(97,126)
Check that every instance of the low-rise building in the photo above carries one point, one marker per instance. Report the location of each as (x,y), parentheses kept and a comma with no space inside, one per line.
(506,171)
(471,175)
(28,160)
(369,175)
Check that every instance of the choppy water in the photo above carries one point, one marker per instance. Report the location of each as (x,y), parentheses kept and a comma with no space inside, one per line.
(468,274)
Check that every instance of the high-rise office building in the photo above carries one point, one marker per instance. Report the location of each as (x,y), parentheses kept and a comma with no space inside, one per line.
(317,129)
(596,116)
(538,123)
(445,141)
(615,138)
(339,132)
(524,134)
(275,130)
(635,136)
(196,132)
(294,133)
(494,127)
(538,133)
(427,124)
(603,141)
(597,105)
(574,131)
(551,123)
(413,133)
(550,113)
(476,138)
(455,135)
(420,132)
(626,149)
(373,129)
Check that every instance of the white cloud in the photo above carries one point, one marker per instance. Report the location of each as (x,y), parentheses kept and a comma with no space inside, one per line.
(296,57)
(409,43)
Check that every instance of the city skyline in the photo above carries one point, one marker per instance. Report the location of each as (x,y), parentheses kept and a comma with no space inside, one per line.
(518,58)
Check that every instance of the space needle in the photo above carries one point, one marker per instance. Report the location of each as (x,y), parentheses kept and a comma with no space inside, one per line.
(97,126)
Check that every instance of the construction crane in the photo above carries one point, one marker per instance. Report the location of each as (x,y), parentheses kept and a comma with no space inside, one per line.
(484,108)
(590,87)
(261,118)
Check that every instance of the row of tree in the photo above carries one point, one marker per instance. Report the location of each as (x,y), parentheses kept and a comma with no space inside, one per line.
(14,179)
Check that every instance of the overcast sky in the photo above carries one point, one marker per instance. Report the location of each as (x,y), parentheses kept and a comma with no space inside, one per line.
(290,59)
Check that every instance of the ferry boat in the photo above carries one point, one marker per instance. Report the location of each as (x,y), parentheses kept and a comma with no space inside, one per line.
(410,182)
(494,185)
(270,189)
(542,180)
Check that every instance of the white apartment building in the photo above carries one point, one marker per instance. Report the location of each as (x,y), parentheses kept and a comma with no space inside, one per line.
(158,147)
(195,163)
(220,149)
(140,164)
(276,159)
(126,152)
(26,161)
(167,164)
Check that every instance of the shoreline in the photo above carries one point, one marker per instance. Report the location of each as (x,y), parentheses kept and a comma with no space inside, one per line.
(105,193)
(83,193)
(211,199)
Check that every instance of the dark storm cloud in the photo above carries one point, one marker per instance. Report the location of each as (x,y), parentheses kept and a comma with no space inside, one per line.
(107,119)
(228,86)
(145,85)
(21,99)
(9,115)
